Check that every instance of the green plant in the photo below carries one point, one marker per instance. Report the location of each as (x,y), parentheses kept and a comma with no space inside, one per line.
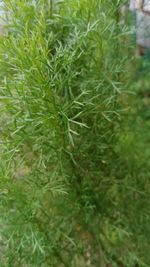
(63,82)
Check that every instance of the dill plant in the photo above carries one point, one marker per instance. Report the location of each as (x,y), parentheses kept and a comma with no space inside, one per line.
(63,80)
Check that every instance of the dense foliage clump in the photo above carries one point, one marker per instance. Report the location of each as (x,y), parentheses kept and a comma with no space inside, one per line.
(72,190)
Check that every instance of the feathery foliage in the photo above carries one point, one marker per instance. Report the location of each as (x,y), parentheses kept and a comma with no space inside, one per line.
(69,175)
